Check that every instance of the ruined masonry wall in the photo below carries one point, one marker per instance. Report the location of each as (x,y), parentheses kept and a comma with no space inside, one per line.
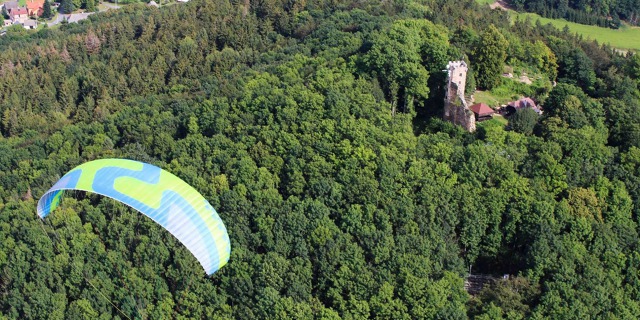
(455,106)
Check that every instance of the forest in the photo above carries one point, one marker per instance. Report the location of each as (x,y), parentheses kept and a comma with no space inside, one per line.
(604,13)
(314,129)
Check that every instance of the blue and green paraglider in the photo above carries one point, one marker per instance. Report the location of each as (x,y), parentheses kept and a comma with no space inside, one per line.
(157,194)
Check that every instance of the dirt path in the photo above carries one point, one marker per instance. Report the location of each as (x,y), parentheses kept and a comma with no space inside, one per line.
(502,4)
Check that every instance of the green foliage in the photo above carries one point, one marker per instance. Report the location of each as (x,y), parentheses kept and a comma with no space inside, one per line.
(89,5)
(46,10)
(68,6)
(510,298)
(573,106)
(540,56)
(634,66)
(523,121)
(623,119)
(279,114)
(488,57)
(81,309)
(512,89)
(404,56)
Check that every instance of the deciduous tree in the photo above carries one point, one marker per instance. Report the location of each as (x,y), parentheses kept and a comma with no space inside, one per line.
(488,57)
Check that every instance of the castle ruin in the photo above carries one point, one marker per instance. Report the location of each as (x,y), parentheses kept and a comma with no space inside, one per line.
(456,109)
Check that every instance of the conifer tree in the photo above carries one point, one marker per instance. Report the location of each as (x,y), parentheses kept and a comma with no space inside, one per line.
(66,6)
(46,10)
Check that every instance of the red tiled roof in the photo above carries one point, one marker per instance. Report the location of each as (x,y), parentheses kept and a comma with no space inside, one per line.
(523,103)
(35,4)
(18,11)
(481,109)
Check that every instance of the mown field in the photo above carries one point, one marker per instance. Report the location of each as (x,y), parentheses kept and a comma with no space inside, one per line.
(624,38)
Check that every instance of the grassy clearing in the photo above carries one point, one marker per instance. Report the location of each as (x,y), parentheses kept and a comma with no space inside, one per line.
(501,119)
(487,98)
(624,38)
(498,121)
(497,96)
(512,89)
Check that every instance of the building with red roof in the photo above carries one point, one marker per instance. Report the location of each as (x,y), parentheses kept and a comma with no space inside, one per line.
(19,15)
(482,111)
(513,106)
(35,7)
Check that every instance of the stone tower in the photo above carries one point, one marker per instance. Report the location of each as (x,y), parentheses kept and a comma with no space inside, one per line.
(455,106)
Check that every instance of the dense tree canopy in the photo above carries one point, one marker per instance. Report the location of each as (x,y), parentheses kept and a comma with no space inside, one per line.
(280,114)
(403,57)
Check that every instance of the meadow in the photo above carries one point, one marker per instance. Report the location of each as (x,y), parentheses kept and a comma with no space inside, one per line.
(626,38)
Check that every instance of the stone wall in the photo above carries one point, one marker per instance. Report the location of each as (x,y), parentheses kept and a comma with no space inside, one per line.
(456,109)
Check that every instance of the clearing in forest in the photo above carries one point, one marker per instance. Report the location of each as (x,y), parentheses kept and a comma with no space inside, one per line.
(626,38)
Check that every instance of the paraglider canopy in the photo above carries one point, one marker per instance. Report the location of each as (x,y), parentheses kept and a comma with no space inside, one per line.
(157,194)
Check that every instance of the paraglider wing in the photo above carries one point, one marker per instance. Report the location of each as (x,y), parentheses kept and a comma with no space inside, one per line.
(157,194)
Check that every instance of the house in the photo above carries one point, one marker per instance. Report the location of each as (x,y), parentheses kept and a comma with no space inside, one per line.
(30,24)
(482,111)
(513,106)
(35,7)
(19,15)
(11,5)
(153,4)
